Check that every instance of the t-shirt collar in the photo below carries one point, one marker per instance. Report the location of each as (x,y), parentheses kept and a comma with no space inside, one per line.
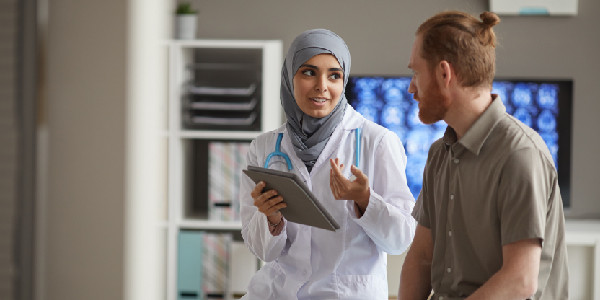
(476,136)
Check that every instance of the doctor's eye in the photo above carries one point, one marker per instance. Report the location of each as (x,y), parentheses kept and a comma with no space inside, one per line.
(308,72)
(335,75)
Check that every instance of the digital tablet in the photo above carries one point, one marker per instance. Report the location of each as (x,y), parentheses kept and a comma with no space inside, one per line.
(302,206)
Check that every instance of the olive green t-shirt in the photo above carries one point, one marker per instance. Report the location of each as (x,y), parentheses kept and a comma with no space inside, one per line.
(495,186)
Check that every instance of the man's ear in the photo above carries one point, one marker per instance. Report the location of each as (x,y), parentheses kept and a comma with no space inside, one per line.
(444,73)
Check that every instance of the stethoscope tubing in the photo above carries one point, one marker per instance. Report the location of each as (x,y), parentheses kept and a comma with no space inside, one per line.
(278,152)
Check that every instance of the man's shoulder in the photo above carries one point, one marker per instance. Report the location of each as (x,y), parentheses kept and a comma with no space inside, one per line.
(512,135)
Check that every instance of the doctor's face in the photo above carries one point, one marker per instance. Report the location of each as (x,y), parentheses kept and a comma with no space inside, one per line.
(318,85)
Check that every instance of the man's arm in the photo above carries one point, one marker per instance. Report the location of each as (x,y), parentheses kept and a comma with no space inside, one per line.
(517,278)
(415,279)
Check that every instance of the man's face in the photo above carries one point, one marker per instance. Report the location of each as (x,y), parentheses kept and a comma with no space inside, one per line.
(433,105)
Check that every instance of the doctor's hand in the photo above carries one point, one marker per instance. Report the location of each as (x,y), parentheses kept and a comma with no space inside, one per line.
(269,203)
(342,188)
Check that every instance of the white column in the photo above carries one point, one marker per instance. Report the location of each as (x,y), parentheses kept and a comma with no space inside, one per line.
(144,261)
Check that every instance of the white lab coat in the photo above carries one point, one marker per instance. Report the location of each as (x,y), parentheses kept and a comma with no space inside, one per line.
(305,262)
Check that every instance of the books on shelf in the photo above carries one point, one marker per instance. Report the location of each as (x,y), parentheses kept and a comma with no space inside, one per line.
(225,163)
(242,266)
(202,265)
(216,257)
(189,265)
(212,266)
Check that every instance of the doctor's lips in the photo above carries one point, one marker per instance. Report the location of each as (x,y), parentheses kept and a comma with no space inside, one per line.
(319,99)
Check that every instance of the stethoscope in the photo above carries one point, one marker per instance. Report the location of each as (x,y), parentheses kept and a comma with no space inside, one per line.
(278,152)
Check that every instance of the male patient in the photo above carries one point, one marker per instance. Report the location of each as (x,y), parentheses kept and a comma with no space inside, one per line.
(490,217)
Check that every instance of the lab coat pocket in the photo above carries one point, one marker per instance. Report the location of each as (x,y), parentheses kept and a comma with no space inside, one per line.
(362,287)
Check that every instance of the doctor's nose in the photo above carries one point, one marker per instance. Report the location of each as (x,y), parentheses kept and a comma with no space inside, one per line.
(321,85)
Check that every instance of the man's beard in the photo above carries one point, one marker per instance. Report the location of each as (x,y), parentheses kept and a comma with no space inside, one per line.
(432,105)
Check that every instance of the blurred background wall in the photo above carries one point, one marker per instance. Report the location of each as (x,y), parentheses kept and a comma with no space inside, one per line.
(88,59)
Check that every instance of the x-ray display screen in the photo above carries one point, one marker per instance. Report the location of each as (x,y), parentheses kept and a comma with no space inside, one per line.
(544,105)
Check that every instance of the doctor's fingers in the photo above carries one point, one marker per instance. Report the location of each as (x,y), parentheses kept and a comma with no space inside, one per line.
(336,166)
(338,178)
(264,197)
(272,206)
(257,189)
(337,187)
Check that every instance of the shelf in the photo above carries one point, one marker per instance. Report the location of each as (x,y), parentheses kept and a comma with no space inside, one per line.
(216,105)
(210,225)
(223,91)
(223,66)
(582,232)
(218,134)
(222,43)
(231,88)
(223,121)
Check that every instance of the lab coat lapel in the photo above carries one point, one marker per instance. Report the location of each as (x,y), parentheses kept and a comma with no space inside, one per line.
(350,122)
(298,165)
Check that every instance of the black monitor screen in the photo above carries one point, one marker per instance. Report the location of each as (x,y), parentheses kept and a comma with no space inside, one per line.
(544,105)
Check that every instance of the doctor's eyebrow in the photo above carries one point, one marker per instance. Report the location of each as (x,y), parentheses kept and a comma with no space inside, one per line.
(315,67)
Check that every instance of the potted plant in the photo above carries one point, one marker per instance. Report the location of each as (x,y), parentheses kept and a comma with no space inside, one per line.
(185,21)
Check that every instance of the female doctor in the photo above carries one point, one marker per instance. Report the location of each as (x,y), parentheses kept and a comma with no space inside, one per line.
(324,135)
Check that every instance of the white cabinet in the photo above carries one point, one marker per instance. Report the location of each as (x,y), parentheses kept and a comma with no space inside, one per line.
(583,248)
(222,94)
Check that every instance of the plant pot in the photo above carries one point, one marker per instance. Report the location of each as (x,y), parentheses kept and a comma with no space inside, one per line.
(185,27)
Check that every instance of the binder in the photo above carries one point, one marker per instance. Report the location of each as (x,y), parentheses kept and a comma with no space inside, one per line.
(225,163)
(189,265)
(242,267)
(302,205)
(215,264)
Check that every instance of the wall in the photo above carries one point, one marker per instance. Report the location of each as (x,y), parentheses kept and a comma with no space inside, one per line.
(380,33)
(9,139)
(84,200)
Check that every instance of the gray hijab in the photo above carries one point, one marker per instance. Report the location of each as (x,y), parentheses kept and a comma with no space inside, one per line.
(310,135)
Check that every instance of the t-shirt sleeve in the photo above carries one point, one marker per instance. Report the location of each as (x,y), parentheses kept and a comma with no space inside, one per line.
(421,211)
(524,189)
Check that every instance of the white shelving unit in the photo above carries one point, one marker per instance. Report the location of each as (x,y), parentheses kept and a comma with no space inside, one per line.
(583,243)
(182,54)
